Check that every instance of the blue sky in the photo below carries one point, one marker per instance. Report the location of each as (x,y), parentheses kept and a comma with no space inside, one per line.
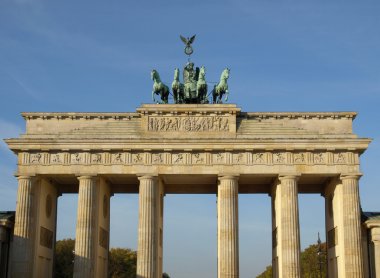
(284,56)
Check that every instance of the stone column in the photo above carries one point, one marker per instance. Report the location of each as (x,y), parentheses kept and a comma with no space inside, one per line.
(85,240)
(148,233)
(24,229)
(228,232)
(375,238)
(289,225)
(353,255)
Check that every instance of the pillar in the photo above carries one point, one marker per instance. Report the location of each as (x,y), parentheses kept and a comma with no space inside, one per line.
(228,231)
(286,235)
(24,229)
(351,216)
(85,239)
(375,249)
(148,231)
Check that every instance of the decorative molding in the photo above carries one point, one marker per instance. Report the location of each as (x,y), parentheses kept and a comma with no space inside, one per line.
(188,124)
(189,157)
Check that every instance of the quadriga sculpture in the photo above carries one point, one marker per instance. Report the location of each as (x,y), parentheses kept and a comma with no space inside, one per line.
(221,88)
(159,88)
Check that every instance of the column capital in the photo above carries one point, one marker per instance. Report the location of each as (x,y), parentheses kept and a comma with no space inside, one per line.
(228,177)
(24,177)
(147,177)
(289,176)
(345,176)
(86,177)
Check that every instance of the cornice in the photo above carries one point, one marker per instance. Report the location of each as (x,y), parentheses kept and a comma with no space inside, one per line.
(79,115)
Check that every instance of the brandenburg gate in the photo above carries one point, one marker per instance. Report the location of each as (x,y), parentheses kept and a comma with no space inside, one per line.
(186,148)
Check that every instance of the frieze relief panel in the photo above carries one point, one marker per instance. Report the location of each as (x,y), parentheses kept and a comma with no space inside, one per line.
(189,158)
(188,124)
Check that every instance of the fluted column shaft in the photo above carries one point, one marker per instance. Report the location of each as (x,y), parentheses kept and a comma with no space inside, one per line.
(24,229)
(228,231)
(352,227)
(375,238)
(84,263)
(290,235)
(147,250)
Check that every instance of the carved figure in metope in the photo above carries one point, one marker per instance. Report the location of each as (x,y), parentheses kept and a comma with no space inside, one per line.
(179,158)
(299,158)
(221,88)
(239,158)
(198,158)
(137,158)
(118,158)
(157,158)
(35,158)
(318,158)
(219,157)
(340,158)
(56,158)
(159,88)
(279,158)
(77,157)
(96,157)
(259,158)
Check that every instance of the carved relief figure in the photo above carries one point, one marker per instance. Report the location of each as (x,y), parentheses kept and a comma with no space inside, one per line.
(138,158)
(299,158)
(96,157)
(179,158)
(198,158)
(239,158)
(279,158)
(189,124)
(77,158)
(157,158)
(56,158)
(259,158)
(219,157)
(318,158)
(340,158)
(35,158)
(118,158)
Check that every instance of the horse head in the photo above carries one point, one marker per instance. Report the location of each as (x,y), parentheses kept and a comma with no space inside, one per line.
(226,73)
(155,76)
(176,74)
(202,72)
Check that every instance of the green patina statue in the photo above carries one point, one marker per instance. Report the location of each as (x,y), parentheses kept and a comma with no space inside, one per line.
(159,88)
(202,86)
(177,88)
(194,86)
(221,88)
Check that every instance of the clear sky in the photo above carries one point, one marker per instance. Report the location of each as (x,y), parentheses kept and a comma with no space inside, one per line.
(284,56)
